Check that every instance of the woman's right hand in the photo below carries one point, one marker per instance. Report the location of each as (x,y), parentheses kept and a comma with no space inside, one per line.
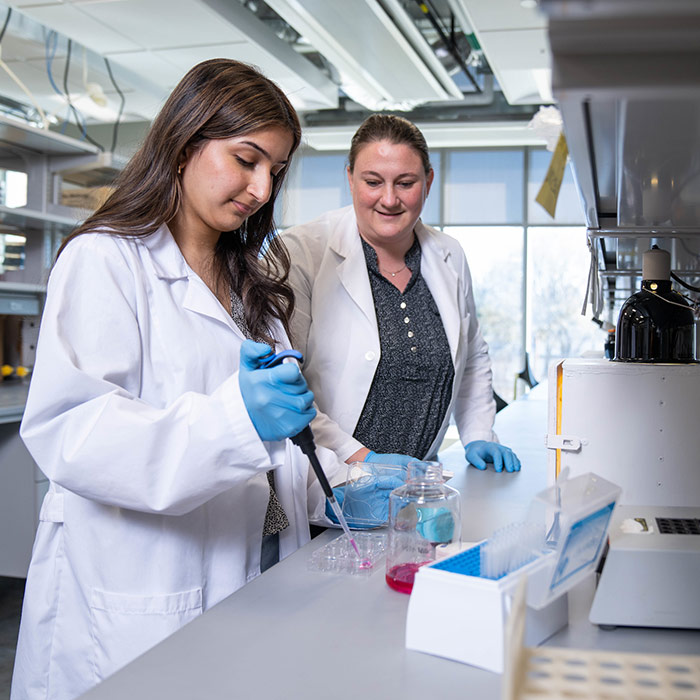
(279,403)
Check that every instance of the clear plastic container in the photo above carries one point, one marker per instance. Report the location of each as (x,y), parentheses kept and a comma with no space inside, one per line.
(339,557)
(367,487)
(423,514)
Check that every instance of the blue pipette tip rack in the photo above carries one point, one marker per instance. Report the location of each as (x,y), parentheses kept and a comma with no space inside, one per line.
(467,563)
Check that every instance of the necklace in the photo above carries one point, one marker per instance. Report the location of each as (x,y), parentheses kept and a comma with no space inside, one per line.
(393,274)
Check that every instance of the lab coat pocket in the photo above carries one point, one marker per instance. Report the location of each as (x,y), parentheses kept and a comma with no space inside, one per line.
(125,626)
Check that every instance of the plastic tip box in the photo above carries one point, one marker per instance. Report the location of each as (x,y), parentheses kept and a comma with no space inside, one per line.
(459,612)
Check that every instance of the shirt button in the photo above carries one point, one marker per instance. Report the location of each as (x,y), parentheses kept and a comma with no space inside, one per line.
(369,356)
(410,334)
(414,349)
(403,304)
(407,320)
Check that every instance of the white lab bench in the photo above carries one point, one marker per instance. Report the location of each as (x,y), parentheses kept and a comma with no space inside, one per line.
(294,633)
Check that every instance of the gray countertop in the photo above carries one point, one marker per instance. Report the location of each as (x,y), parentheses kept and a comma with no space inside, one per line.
(295,633)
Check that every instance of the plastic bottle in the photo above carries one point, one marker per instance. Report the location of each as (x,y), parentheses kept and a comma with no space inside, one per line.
(423,513)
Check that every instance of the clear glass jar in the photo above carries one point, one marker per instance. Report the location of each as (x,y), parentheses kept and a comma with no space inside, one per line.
(423,513)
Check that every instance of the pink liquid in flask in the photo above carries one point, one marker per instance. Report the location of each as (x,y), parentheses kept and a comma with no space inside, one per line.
(401,576)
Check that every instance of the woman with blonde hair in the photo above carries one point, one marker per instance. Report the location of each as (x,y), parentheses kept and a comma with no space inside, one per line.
(385,314)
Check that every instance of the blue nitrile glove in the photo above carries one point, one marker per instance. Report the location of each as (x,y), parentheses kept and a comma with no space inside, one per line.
(436,525)
(388,458)
(277,399)
(478,452)
(365,502)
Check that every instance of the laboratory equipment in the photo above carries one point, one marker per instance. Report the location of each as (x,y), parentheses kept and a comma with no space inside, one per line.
(423,513)
(339,557)
(305,442)
(656,324)
(459,606)
(554,673)
(650,574)
(630,422)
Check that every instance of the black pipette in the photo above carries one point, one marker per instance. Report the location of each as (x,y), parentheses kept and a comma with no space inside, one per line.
(305,442)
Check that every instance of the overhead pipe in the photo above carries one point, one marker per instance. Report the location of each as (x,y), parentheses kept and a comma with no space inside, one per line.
(449,43)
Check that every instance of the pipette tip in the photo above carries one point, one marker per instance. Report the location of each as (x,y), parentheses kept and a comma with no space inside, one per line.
(344,525)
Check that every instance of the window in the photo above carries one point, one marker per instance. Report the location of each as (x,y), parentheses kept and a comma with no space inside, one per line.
(484,187)
(431,210)
(495,257)
(569,209)
(315,184)
(13,188)
(557,272)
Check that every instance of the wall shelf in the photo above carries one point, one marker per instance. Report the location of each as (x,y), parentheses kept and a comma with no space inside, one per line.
(90,171)
(15,135)
(22,219)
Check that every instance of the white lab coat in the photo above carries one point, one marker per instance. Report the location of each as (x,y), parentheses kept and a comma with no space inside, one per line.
(335,327)
(158,479)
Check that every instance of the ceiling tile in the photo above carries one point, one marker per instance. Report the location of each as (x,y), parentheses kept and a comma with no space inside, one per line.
(35,75)
(19,46)
(155,24)
(524,48)
(28,3)
(486,15)
(300,93)
(73,23)
(161,71)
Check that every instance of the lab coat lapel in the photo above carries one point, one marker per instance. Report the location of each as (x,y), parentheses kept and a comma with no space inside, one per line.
(443,283)
(169,264)
(199,298)
(352,269)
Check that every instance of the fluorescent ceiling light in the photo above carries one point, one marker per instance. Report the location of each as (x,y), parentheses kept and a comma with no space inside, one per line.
(471,135)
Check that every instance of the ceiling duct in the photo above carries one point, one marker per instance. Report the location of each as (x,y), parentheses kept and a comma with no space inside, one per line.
(382,59)
(514,40)
(438,66)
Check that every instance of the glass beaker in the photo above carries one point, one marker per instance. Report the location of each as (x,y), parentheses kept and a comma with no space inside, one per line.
(423,513)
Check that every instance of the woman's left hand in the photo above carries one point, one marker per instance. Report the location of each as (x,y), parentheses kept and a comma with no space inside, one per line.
(479,452)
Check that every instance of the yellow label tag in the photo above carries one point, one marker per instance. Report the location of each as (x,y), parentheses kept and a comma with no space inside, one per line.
(549,192)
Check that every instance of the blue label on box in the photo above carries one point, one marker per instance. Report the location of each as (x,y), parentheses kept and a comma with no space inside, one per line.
(583,545)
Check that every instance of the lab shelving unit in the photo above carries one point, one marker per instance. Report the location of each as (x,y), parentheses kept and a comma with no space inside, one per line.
(49,160)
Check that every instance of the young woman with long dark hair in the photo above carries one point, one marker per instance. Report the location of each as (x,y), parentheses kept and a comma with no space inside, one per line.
(171,481)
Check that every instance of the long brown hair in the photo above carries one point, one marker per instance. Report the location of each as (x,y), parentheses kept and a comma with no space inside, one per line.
(216,99)
(389,127)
